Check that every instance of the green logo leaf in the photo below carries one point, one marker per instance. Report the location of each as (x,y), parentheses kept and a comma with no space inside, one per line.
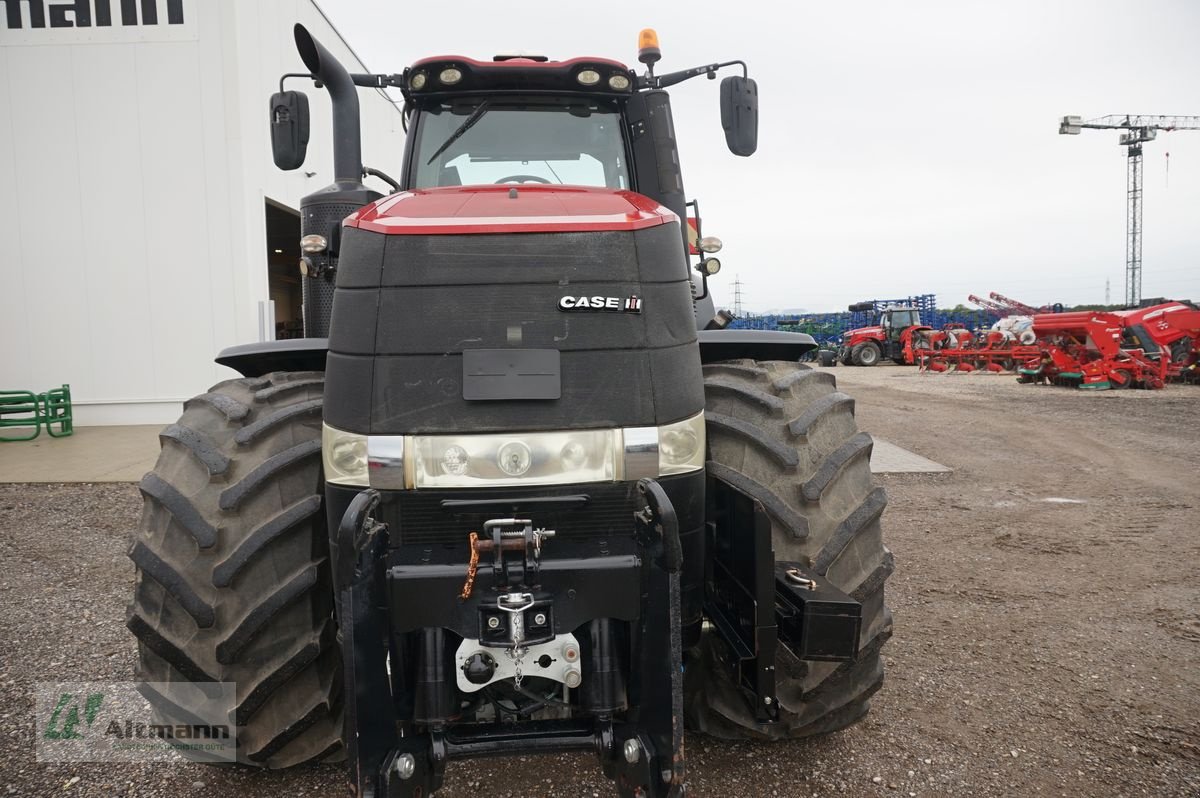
(70,721)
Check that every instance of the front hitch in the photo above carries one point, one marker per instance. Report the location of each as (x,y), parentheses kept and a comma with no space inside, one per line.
(634,724)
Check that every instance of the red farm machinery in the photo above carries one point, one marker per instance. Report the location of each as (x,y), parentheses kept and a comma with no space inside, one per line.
(1144,347)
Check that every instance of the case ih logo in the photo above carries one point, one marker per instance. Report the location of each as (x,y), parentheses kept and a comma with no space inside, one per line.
(89,13)
(611,304)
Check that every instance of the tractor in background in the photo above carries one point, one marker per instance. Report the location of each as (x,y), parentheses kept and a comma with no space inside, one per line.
(894,336)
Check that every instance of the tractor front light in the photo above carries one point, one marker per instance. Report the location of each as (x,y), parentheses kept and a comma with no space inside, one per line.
(450,76)
(455,460)
(588,77)
(681,446)
(618,82)
(494,460)
(345,456)
(405,462)
(514,458)
(313,244)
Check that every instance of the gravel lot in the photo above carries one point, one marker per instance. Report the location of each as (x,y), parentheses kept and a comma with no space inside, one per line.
(1046,603)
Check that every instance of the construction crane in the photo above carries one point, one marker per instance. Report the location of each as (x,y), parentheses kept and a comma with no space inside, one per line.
(1138,130)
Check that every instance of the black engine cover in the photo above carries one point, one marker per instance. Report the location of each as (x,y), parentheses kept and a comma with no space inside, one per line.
(407,307)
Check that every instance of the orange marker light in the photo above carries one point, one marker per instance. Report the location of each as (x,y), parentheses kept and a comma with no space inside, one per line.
(648,52)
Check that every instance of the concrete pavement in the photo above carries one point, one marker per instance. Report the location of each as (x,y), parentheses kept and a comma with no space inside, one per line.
(92,454)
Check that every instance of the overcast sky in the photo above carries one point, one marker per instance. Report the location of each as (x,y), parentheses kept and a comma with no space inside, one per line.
(904,147)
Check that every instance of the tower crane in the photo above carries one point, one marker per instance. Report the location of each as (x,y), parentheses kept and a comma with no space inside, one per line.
(1137,131)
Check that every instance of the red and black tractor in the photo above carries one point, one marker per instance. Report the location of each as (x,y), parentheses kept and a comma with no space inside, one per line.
(894,337)
(509,496)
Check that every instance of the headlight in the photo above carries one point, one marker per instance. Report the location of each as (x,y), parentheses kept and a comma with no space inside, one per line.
(532,458)
(399,462)
(681,446)
(345,456)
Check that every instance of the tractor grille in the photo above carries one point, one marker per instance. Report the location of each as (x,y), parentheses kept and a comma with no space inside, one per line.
(421,519)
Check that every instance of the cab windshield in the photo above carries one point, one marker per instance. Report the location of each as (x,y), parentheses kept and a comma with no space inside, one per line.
(539,140)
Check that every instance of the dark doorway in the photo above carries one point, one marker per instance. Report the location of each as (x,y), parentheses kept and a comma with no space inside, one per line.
(283,269)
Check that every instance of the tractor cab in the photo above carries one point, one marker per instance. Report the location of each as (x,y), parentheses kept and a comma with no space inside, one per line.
(896,320)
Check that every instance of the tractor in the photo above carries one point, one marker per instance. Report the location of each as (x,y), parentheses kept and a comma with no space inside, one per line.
(515,492)
(894,336)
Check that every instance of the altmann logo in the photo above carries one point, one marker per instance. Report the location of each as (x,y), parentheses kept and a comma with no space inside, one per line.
(88,13)
(95,722)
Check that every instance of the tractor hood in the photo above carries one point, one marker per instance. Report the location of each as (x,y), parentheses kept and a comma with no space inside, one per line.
(510,209)
(562,308)
(871,331)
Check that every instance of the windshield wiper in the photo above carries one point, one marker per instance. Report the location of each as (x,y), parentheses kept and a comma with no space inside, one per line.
(467,124)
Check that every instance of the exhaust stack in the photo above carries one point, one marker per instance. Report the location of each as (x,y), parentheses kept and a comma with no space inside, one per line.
(347,137)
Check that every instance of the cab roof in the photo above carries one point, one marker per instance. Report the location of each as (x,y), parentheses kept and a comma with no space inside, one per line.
(516,75)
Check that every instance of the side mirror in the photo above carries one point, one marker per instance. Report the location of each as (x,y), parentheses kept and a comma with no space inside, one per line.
(739,114)
(289,128)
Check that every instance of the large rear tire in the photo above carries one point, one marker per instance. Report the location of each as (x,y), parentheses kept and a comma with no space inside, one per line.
(783,434)
(233,581)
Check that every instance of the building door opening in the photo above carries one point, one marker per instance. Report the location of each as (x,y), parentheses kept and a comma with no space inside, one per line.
(283,270)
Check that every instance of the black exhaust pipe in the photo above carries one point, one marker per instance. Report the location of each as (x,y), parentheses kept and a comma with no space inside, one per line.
(322,211)
(347,138)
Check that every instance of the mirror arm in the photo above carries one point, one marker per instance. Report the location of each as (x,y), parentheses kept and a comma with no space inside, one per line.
(293,75)
(373,81)
(671,78)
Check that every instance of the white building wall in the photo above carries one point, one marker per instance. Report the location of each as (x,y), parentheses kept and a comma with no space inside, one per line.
(134,166)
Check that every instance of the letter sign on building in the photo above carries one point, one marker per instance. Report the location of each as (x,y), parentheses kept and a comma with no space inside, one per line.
(34,22)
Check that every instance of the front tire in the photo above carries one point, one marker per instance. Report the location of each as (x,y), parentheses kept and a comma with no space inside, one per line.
(865,354)
(783,434)
(233,581)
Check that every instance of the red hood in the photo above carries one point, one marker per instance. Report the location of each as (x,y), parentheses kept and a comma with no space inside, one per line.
(491,209)
(876,330)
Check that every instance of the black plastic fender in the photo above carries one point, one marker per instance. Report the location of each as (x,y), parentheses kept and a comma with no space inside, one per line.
(718,345)
(292,354)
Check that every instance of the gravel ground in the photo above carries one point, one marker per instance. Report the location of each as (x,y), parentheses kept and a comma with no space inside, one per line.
(1042,647)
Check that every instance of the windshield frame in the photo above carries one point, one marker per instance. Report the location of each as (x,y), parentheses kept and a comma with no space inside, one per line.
(498,102)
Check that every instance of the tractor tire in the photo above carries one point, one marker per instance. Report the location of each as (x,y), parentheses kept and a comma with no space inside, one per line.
(844,355)
(865,354)
(233,581)
(783,434)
